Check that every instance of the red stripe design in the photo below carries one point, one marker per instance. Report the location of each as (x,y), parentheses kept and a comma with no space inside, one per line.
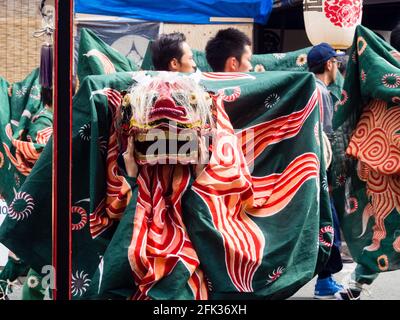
(225,76)
(256,139)
(118,191)
(43,136)
(273,193)
(226,188)
(160,239)
(25,153)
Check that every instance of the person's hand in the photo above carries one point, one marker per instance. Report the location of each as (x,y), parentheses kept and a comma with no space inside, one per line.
(203,156)
(129,159)
(259,68)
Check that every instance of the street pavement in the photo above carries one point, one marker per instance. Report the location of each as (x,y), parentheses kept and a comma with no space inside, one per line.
(385,287)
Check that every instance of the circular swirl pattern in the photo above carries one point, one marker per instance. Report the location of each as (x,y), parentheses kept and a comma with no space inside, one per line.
(391,80)
(271,100)
(21,207)
(324,232)
(232,97)
(375,150)
(83,218)
(32,282)
(377,183)
(85,132)
(351,205)
(383,262)
(301,60)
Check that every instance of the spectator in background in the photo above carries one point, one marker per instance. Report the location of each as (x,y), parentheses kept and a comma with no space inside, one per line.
(323,62)
(170,52)
(229,51)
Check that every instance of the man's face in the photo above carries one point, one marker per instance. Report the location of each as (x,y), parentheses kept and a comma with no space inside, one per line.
(186,64)
(333,69)
(245,64)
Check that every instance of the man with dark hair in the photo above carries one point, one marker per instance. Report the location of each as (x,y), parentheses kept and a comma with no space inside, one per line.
(323,62)
(395,37)
(229,51)
(170,52)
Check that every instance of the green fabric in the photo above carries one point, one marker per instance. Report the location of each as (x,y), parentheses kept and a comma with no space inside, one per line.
(297,238)
(292,236)
(363,275)
(96,57)
(366,181)
(32,288)
(12,270)
(24,118)
(292,246)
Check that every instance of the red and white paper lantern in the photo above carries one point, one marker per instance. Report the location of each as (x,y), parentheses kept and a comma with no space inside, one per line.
(332,21)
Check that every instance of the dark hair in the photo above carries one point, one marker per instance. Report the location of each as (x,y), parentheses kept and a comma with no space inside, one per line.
(226,43)
(318,69)
(166,48)
(344,60)
(395,38)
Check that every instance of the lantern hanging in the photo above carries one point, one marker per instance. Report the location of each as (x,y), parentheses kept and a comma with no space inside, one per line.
(332,21)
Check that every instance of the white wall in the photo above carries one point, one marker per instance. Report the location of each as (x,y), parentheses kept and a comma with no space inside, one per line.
(3,250)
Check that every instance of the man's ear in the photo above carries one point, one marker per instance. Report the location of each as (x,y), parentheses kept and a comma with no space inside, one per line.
(173,65)
(231,64)
(329,65)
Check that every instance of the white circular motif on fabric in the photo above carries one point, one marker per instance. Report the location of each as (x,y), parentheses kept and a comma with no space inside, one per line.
(271,100)
(32,282)
(324,184)
(80,283)
(391,80)
(301,60)
(21,207)
(85,132)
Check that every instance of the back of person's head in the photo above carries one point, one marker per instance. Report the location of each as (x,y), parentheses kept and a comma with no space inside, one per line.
(344,60)
(318,56)
(395,37)
(166,48)
(226,43)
